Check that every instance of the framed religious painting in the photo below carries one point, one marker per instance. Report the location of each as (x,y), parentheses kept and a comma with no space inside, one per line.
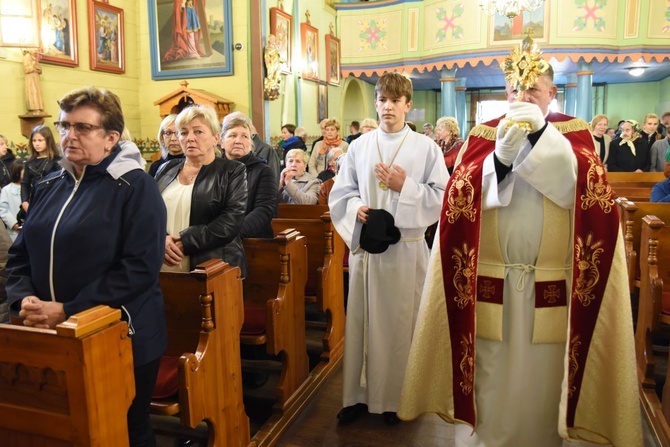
(309,43)
(58,32)
(504,30)
(333,75)
(322,102)
(106,41)
(281,25)
(190,38)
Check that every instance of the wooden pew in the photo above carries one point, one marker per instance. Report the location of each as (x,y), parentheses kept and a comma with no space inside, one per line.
(276,286)
(633,214)
(635,186)
(654,280)
(204,317)
(71,386)
(325,271)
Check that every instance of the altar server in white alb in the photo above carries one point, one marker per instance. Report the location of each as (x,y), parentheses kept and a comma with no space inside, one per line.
(388,191)
(524,335)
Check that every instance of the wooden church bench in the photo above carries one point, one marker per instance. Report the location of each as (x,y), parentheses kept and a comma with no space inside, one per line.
(653,316)
(71,386)
(635,186)
(325,268)
(204,314)
(274,302)
(633,214)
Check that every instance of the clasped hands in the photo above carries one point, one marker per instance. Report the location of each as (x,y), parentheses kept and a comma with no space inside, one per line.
(392,176)
(41,314)
(174,250)
(509,141)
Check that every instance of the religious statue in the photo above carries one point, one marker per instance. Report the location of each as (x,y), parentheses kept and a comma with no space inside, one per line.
(523,68)
(33,70)
(273,61)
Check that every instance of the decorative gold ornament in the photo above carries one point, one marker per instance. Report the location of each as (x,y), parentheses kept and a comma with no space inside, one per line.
(523,69)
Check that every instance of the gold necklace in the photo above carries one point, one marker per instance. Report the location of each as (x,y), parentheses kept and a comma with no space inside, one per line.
(383,185)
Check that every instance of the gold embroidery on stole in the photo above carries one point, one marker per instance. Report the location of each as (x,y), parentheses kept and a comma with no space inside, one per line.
(587,253)
(467,364)
(598,191)
(573,364)
(461,195)
(464,277)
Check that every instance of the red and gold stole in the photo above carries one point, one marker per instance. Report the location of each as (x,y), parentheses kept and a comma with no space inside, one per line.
(595,234)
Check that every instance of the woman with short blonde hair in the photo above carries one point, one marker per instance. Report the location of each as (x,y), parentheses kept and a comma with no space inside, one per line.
(447,134)
(598,128)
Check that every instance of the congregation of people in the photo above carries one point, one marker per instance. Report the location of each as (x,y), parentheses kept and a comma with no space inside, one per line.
(216,182)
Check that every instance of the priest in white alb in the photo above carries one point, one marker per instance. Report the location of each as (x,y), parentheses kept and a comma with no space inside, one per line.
(524,336)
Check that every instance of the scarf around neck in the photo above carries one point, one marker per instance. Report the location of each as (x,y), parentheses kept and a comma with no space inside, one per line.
(329,144)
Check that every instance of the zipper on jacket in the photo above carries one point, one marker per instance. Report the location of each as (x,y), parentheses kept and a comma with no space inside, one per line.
(53,233)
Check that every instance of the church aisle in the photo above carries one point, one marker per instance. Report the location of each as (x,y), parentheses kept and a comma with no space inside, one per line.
(317,426)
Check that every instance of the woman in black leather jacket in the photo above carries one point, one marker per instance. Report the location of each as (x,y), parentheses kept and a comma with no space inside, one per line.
(261,182)
(205,196)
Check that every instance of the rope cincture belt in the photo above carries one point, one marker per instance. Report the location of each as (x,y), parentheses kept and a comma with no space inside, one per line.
(525,269)
(366,257)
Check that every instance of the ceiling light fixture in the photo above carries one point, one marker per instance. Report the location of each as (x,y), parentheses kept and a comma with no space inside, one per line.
(636,71)
(509,8)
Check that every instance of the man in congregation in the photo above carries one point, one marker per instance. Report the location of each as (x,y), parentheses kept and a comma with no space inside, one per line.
(657,153)
(524,335)
(389,189)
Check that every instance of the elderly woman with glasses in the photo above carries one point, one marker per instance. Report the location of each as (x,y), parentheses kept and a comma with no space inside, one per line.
(95,234)
(205,196)
(169,141)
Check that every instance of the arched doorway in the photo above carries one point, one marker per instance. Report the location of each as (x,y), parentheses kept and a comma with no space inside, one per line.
(357,102)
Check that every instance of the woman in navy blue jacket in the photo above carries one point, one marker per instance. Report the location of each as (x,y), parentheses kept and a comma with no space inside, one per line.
(95,234)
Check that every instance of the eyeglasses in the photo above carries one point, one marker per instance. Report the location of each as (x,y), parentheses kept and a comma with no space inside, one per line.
(170,134)
(83,129)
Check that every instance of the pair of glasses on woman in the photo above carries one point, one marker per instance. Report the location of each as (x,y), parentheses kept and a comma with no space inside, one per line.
(63,127)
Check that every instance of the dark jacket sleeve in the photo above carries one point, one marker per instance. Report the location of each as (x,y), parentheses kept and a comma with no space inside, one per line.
(142,251)
(258,223)
(26,182)
(646,167)
(612,157)
(227,224)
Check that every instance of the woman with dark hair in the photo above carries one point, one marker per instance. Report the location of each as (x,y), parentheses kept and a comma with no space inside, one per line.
(94,235)
(290,140)
(205,196)
(43,159)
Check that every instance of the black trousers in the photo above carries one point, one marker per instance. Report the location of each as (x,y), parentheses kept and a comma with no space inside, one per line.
(140,432)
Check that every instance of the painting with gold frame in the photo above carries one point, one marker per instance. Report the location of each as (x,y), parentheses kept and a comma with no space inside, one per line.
(58,32)
(106,41)
(309,44)
(333,75)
